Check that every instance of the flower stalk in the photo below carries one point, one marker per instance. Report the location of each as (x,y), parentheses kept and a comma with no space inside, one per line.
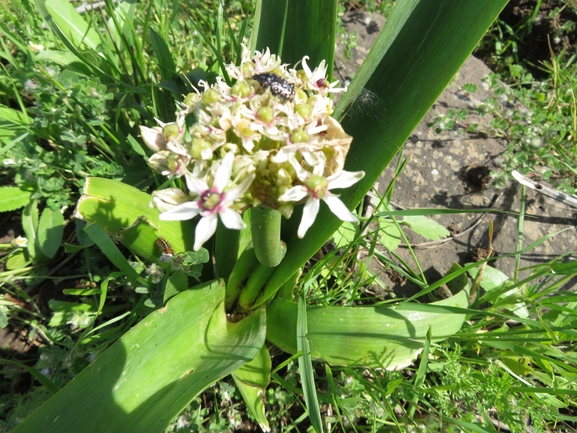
(265,224)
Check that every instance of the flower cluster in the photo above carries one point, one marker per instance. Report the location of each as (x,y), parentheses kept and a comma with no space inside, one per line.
(266,140)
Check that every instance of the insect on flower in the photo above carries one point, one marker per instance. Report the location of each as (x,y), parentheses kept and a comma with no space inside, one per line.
(165,247)
(278,86)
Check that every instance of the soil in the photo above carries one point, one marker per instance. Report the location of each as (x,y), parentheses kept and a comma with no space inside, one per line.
(540,38)
(452,169)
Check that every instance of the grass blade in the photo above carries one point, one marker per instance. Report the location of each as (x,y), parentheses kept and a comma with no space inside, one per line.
(306,368)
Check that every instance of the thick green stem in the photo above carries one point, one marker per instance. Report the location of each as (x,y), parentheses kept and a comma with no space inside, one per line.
(252,291)
(225,250)
(241,272)
(265,224)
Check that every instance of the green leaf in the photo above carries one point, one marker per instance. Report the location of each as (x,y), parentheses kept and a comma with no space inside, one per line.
(162,56)
(414,58)
(71,313)
(379,337)
(460,282)
(50,231)
(345,235)
(111,251)
(492,277)
(176,283)
(72,24)
(47,383)
(146,378)
(12,198)
(251,380)
(12,116)
(3,319)
(29,225)
(390,234)
(124,211)
(426,227)
(16,260)
(306,367)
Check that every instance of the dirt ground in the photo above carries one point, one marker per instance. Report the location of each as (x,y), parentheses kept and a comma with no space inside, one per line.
(452,170)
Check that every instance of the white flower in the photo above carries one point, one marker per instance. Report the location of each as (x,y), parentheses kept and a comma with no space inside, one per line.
(317,187)
(211,202)
(317,78)
(19,242)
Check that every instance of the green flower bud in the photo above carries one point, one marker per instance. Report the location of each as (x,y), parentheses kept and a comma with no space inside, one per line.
(305,110)
(191,99)
(210,97)
(247,69)
(241,89)
(301,95)
(302,75)
(299,136)
(200,148)
(283,179)
(243,129)
(170,131)
(265,114)
(317,185)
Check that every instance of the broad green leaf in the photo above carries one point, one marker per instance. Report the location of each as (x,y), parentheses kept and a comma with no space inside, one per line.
(251,380)
(16,260)
(50,231)
(12,116)
(12,198)
(71,313)
(162,56)
(345,235)
(492,277)
(418,52)
(293,29)
(460,282)
(495,283)
(123,210)
(72,24)
(380,337)
(146,378)
(390,236)
(176,283)
(426,227)
(111,251)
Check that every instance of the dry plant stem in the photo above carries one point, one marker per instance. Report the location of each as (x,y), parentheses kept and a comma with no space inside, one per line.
(483,266)
(550,192)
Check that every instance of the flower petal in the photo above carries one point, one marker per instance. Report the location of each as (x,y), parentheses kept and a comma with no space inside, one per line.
(231,219)
(195,185)
(204,230)
(296,193)
(223,172)
(338,208)
(184,211)
(240,189)
(310,212)
(344,179)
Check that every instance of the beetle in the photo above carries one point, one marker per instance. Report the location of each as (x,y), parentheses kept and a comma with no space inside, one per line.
(278,86)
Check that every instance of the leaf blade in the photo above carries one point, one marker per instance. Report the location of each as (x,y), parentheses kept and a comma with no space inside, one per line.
(145,379)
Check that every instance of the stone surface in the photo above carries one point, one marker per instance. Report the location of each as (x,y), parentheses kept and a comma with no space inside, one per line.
(441,172)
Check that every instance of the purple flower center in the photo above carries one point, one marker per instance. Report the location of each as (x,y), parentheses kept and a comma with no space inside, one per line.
(211,200)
